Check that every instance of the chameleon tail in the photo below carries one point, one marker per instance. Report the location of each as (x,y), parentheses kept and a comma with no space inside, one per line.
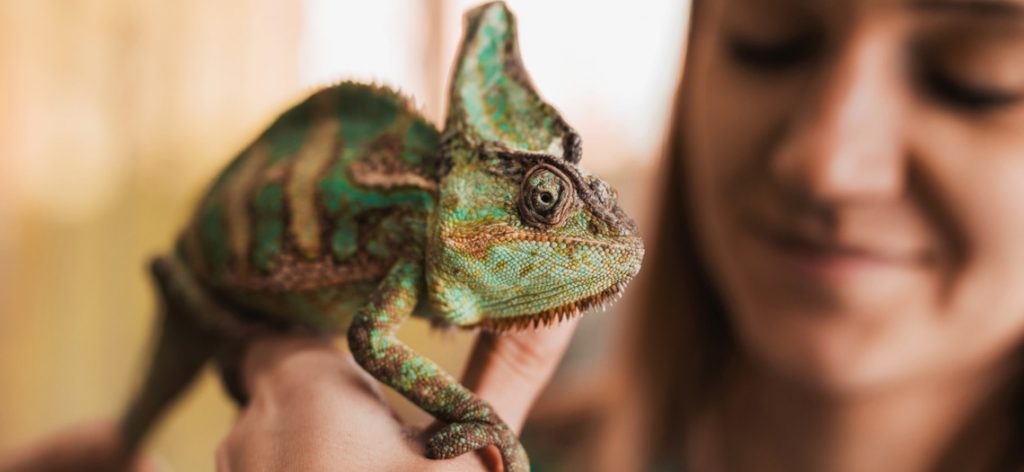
(183,344)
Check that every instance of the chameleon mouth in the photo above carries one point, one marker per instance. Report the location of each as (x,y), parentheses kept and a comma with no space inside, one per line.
(555,315)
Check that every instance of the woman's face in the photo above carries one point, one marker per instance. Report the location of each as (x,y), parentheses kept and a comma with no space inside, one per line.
(857,172)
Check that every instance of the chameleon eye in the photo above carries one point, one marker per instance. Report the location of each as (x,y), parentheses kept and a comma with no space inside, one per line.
(546,197)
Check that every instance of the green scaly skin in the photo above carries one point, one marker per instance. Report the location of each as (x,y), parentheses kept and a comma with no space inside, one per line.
(352,212)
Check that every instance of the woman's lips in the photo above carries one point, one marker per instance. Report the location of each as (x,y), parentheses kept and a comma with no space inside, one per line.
(826,260)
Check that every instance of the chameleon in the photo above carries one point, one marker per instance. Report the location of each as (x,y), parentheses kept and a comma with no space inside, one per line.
(352,213)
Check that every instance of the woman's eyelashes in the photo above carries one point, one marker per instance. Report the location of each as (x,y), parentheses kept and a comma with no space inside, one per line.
(934,80)
(772,55)
(945,88)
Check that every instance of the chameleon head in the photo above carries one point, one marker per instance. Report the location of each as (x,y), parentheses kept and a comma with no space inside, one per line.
(522,235)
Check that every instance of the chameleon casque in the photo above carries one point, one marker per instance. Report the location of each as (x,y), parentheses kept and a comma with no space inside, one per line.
(352,212)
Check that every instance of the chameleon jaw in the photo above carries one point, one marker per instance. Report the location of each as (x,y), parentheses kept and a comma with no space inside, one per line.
(555,315)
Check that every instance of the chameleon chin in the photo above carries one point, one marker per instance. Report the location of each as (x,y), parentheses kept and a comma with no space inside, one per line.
(351,213)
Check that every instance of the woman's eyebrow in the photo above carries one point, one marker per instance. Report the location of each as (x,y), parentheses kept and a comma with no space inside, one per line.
(1000,8)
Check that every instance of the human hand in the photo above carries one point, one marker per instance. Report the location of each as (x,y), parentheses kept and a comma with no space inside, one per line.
(313,408)
(93,447)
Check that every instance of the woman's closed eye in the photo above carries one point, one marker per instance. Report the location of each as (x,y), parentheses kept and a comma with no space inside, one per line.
(975,67)
(776,55)
(962,94)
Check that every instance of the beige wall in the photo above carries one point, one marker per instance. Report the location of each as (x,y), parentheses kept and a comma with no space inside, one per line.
(114,113)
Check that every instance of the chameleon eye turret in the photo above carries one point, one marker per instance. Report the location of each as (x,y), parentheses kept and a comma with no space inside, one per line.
(546,198)
(352,213)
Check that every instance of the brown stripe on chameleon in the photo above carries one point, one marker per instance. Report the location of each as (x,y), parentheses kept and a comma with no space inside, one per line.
(269,216)
(236,201)
(478,241)
(383,168)
(294,274)
(276,172)
(381,164)
(327,220)
(321,145)
(269,229)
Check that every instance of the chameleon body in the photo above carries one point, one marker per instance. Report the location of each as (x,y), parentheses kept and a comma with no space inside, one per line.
(306,222)
(352,212)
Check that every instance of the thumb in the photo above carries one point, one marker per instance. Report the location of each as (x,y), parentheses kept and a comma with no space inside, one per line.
(509,370)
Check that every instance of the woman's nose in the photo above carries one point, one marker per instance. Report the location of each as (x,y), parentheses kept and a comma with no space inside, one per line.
(843,143)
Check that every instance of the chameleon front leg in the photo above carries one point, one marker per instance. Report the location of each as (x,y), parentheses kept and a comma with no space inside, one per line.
(472,423)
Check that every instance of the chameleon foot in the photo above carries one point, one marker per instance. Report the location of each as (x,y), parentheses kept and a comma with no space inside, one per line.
(459,438)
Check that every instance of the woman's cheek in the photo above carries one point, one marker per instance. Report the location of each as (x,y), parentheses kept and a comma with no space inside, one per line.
(977,177)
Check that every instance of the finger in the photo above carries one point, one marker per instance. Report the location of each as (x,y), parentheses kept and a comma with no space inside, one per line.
(510,370)
(279,359)
(317,410)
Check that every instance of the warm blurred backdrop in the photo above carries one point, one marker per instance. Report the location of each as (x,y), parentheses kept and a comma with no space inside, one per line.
(115,113)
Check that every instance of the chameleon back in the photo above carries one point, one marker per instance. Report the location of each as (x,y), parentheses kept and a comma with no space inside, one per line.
(306,220)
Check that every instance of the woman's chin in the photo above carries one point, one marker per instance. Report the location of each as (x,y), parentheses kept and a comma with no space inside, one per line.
(839,351)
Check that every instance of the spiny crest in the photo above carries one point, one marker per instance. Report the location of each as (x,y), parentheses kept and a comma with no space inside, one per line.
(556,315)
(373,87)
(492,103)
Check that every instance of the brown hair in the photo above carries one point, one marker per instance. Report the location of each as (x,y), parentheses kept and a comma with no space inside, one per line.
(680,340)
(681,336)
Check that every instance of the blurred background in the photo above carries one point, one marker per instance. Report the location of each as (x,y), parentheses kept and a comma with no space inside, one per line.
(116,113)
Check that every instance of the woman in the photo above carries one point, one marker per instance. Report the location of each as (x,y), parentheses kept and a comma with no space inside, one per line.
(833,283)
(844,192)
